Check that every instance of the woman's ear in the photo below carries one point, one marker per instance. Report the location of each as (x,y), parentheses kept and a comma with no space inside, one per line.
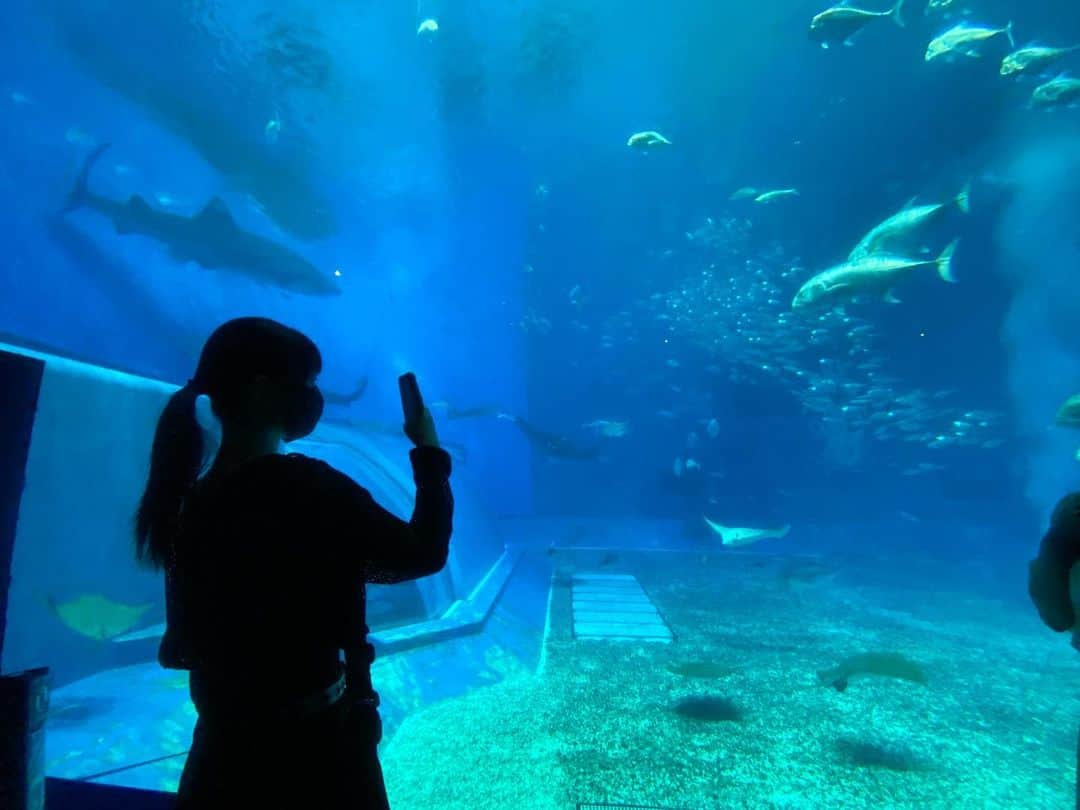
(210,425)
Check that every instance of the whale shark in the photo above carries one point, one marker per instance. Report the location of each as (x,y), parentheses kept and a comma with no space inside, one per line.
(211,238)
(734,536)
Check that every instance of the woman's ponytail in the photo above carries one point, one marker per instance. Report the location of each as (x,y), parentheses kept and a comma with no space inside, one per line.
(175,462)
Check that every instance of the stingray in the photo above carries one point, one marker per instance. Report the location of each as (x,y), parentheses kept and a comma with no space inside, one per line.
(739,536)
(97,617)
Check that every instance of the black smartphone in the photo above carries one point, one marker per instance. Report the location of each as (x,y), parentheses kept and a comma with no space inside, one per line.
(412,404)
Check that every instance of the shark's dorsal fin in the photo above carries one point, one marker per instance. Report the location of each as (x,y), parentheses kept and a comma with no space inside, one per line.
(217,212)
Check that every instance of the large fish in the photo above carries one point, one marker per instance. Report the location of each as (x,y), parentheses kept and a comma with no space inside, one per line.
(97,617)
(877,273)
(211,238)
(965,40)
(772,196)
(1068,414)
(882,664)
(902,223)
(647,139)
(1056,92)
(1032,59)
(744,193)
(736,536)
(841,23)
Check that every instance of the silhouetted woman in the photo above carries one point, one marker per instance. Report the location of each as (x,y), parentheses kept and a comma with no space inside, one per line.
(265,561)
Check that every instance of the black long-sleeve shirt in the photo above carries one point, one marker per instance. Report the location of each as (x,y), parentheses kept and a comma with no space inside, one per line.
(1048,575)
(266,582)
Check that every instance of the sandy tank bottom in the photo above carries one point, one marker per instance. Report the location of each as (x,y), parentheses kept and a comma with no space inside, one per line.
(994,726)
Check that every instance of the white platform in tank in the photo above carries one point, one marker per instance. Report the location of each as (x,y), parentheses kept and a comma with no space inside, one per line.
(615,607)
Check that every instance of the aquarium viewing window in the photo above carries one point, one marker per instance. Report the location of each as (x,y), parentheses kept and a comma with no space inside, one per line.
(97,619)
(748,337)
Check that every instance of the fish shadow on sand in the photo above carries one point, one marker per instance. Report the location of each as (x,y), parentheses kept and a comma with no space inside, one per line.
(709,709)
(874,754)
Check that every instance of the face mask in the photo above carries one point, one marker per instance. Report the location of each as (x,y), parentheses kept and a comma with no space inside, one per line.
(302,412)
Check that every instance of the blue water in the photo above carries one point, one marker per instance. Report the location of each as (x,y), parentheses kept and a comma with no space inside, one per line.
(493,231)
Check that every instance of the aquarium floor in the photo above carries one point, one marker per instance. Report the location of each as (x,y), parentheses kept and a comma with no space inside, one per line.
(995,726)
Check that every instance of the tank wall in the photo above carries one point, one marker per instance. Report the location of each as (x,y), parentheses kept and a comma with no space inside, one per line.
(84,473)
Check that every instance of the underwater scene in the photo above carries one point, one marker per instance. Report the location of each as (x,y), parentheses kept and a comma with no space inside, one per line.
(752,330)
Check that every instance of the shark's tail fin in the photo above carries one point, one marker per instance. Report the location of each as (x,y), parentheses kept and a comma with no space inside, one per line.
(718,529)
(78,193)
(349,398)
(944,262)
(1009,34)
(359,390)
(963,199)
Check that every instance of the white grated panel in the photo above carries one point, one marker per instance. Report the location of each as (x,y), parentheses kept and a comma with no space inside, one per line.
(615,607)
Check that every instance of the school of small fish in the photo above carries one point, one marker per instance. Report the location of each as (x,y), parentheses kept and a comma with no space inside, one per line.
(736,312)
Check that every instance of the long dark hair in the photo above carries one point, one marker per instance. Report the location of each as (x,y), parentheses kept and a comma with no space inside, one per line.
(234,355)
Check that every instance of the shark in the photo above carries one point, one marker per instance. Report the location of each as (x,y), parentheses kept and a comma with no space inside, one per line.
(334,398)
(551,445)
(210,239)
(734,536)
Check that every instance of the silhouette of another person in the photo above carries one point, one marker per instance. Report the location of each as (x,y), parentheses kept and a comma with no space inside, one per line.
(1048,577)
(1048,573)
(266,559)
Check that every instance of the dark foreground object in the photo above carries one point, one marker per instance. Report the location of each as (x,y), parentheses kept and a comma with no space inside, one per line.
(67,794)
(24,703)
(328,761)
